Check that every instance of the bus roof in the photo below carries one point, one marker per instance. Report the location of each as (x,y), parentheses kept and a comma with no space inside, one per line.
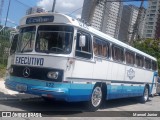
(64,19)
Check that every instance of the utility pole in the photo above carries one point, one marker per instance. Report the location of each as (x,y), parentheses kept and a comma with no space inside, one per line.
(136,26)
(1,9)
(7,13)
(54,4)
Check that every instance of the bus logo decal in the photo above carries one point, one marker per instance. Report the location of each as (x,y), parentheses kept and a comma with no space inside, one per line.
(26,72)
(131,73)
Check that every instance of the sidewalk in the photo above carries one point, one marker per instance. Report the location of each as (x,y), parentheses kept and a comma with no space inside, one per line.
(6,94)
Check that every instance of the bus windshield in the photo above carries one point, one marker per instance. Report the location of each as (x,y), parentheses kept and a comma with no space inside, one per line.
(26,39)
(54,39)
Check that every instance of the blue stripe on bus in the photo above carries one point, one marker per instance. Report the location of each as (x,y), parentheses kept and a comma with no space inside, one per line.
(70,92)
(118,91)
(152,84)
(74,92)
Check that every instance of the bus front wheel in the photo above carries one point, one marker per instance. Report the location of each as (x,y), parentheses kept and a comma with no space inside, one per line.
(145,96)
(96,98)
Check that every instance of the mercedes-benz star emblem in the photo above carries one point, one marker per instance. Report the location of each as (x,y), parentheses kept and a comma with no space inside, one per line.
(26,72)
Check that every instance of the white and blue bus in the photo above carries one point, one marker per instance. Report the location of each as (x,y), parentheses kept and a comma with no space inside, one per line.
(56,56)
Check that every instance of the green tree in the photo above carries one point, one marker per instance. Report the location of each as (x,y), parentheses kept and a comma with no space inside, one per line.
(151,47)
(4,42)
(4,49)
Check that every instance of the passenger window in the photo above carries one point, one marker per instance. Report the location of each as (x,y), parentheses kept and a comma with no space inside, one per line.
(130,57)
(139,61)
(154,65)
(101,48)
(117,53)
(84,52)
(147,63)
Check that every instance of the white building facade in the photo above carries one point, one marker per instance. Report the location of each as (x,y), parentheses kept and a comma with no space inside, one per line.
(106,16)
(151,18)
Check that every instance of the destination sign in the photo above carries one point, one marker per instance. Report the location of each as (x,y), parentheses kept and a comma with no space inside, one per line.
(39,19)
(29,61)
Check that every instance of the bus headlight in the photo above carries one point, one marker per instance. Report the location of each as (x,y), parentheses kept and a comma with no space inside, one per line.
(53,75)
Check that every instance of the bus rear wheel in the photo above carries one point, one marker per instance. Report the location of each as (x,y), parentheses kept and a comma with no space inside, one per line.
(145,96)
(96,98)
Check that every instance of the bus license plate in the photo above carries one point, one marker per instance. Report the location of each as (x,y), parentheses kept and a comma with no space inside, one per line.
(21,88)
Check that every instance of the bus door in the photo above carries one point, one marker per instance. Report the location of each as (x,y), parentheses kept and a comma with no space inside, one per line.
(14,40)
(83,65)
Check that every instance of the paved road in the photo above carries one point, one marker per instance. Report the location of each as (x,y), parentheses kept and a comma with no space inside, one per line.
(123,105)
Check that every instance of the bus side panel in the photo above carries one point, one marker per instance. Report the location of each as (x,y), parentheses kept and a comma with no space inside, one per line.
(80,91)
(118,71)
(82,69)
(100,69)
(135,78)
(114,91)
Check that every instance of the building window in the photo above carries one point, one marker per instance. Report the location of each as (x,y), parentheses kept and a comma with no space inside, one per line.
(150,27)
(148,35)
(149,31)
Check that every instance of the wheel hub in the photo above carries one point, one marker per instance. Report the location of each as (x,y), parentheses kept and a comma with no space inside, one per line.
(96,96)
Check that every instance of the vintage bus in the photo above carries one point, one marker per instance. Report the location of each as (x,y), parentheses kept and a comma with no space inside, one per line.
(56,56)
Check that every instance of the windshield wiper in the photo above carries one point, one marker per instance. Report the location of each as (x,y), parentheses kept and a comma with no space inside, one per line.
(26,44)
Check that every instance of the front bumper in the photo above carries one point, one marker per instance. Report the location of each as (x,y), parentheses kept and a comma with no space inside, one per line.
(59,91)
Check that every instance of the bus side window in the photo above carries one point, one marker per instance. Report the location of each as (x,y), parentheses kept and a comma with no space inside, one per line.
(139,61)
(117,53)
(147,63)
(130,58)
(101,47)
(154,65)
(14,44)
(84,52)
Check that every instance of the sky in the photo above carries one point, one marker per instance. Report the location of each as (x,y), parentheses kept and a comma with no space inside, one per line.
(18,8)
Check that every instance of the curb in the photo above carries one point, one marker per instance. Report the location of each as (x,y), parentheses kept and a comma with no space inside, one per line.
(21,99)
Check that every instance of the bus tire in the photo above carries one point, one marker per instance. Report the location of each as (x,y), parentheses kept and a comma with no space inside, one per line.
(96,98)
(145,96)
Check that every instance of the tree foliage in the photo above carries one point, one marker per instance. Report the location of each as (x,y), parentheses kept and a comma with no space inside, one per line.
(151,47)
(4,45)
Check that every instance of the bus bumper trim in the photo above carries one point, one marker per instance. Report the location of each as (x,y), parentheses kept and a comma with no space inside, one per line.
(57,91)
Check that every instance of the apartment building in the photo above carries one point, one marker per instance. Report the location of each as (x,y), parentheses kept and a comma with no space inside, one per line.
(103,16)
(128,20)
(152,19)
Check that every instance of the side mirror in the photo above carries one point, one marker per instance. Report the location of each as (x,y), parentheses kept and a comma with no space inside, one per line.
(82,41)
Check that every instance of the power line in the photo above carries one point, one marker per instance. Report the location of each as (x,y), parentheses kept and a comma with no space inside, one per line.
(23,4)
(75,10)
